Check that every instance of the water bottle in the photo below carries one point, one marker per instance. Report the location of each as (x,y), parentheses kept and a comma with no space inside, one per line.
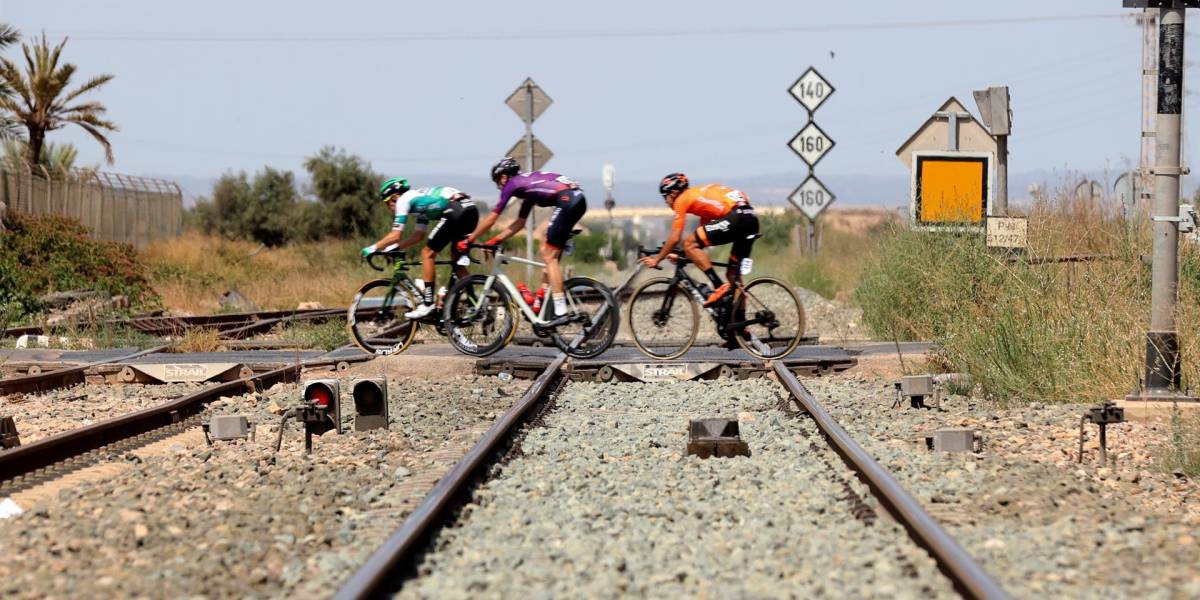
(536,305)
(526,293)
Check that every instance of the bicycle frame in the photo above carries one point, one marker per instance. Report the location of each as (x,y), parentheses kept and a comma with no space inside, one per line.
(497,274)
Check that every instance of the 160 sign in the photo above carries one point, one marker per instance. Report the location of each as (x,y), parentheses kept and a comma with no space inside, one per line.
(811,197)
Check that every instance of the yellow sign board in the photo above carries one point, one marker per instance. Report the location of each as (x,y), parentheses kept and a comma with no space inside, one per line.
(951,189)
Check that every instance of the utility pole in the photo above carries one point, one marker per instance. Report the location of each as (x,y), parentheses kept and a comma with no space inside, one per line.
(1162,374)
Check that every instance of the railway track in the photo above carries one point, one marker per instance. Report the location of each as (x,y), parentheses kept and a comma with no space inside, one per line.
(406,556)
(47,458)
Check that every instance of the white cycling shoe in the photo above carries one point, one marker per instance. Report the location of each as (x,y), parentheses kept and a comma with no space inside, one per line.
(419,312)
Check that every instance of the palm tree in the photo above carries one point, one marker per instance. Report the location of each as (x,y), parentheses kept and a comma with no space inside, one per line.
(9,128)
(40,101)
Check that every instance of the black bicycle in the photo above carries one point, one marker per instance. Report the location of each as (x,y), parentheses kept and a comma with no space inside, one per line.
(376,316)
(764,316)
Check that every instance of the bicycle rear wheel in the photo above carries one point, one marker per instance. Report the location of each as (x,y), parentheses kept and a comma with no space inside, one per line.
(768,318)
(663,319)
(590,338)
(479,321)
(376,318)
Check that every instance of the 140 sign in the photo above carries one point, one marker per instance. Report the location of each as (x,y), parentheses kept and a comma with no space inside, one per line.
(811,197)
(811,90)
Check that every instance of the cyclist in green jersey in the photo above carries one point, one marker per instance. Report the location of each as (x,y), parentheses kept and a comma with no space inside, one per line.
(455,217)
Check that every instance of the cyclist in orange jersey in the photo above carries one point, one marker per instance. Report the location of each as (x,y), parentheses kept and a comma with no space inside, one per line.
(726,217)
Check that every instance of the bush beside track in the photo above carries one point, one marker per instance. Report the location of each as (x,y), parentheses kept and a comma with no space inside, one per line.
(1066,332)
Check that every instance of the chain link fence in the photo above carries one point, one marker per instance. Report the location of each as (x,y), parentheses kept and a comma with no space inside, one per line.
(121,208)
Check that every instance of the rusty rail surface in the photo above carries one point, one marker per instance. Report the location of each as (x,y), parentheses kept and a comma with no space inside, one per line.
(395,560)
(27,459)
(165,325)
(968,576)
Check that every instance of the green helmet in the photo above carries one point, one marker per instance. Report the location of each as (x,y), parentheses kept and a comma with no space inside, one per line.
(393,187)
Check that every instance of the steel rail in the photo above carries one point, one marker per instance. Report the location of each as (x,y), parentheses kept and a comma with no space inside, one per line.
(968,576)
(29,458)
(166,325)
(387,567)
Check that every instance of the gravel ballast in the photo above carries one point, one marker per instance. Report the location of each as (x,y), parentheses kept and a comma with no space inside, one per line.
(42,415)
(601,501)
(238,520)
(1043,525)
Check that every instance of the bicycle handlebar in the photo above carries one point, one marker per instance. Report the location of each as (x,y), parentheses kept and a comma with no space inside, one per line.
(682,257)
(399,256)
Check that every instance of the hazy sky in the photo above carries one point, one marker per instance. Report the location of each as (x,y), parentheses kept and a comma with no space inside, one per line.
(695,85)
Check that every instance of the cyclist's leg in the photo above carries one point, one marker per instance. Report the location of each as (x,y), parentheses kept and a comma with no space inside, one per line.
(464,224)
(717,232)
(744,230)
(558,232)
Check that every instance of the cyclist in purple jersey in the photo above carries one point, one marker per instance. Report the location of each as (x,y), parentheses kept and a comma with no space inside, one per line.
(538,188)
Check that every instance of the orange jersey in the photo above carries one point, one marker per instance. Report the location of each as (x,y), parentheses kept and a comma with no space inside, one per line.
(709,202)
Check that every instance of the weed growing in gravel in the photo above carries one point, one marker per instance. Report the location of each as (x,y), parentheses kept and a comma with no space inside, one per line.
(1181,454)
(328,335)
(1067,332)
(100,335)
(198,339)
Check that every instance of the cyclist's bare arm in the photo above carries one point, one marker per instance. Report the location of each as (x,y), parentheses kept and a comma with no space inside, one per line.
(413,238)
(668,246)
(485,224)
(509,231)
(392,237)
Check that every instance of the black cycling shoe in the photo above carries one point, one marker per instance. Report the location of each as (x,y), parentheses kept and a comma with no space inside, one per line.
(563,320)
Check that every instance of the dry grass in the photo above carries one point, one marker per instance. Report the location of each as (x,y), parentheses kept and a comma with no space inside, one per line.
(192,272)
(1059,332)
(199,340)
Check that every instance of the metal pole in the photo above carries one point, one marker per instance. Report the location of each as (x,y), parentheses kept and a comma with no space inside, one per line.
(1162,342)
(1149,22)
(532,223)
(1001,205)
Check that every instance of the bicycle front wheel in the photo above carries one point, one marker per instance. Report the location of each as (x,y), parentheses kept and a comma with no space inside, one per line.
(768,318)
(599,319)
(376,318)
(479,320)
(663,319)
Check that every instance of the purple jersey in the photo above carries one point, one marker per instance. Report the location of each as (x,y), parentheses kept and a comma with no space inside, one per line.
(539,188)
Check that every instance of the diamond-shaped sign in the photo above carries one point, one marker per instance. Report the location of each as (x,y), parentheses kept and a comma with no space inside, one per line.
(541,154)
(811,90)
(811,197)
(811,144)
(529,101)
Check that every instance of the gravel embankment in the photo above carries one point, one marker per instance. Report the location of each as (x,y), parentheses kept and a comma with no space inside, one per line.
(602,502)
(237,520)
(1043,525)
(42,415)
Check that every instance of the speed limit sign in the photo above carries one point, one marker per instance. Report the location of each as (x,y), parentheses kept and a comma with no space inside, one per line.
(811,197)
(811,144)
(811,90)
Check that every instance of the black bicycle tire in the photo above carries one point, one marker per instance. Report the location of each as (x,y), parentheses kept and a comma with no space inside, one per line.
(448,323)
(614,319)
(800,313)
(695,319)
(351,321)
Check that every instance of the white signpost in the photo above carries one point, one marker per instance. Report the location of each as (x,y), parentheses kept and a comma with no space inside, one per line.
(811,144)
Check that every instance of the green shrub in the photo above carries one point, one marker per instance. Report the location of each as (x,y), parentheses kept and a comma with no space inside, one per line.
(1060,332)
(50,253)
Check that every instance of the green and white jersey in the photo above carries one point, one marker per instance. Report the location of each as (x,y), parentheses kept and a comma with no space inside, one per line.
(426,203)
